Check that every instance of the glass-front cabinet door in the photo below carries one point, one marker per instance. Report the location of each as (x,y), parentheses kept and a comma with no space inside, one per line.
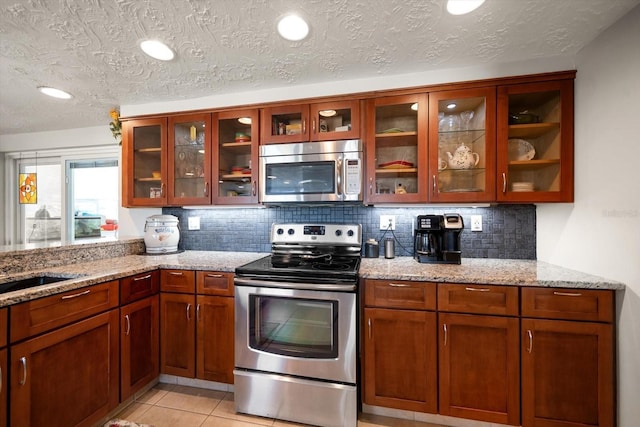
(335,120)
(285,123)
(462,136)
(397,149)
(535,142)
(235,157)
(189,159)
(144,162)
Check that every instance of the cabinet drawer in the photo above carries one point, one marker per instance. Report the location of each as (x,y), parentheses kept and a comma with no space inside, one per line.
(480,299)
(214,283)
(137,287)
(569,304)
(183,281)
(400,294)
(41,315)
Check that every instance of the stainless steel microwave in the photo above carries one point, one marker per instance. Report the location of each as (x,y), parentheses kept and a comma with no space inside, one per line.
(325,171)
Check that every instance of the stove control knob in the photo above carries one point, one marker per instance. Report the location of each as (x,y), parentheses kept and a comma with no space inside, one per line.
(280,231)
(290,231)
(350,233)
(338,233)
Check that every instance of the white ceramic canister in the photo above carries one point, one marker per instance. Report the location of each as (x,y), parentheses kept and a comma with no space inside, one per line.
(161,234)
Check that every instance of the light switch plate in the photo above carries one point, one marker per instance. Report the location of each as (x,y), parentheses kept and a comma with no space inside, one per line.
(194,223)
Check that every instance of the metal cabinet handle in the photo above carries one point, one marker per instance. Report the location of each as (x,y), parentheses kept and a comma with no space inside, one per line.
(446,334)
(530,335)
(313,125)
(206,189)
(198,312)
(176,273)
(477,289)
(399,285)
(188,311)
(370,185)
(23,362)
(504,182)
(567,294)
(435,185)
(304,126)
(253,187)
(369,323)
(128,327)
(76,295)
(162,189)
(217,276)
(137,279)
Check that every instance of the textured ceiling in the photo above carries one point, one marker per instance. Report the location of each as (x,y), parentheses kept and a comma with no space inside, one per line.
(90,47)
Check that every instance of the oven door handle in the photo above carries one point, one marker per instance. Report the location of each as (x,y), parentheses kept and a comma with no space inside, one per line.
(295,285)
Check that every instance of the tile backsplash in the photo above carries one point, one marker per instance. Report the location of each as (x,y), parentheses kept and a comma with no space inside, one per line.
(508,231)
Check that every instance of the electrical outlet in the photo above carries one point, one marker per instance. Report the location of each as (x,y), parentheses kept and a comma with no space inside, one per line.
(476,222)
(387,222)
(194,223)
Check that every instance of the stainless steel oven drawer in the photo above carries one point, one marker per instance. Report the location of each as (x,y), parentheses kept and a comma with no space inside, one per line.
(295,399)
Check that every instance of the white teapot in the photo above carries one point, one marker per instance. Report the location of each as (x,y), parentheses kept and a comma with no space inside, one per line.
(463,158)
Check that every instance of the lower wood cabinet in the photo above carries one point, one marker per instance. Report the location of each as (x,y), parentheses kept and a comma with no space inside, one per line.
(139,345)
(3,387)
(177,334)
(67,377)
(197,331)
(400,345)
(215,339)
(568,374)
(479,367)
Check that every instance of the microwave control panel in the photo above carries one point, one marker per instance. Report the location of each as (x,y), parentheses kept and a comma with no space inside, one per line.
(353,174)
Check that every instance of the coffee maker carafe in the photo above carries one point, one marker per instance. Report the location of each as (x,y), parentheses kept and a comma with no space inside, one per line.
(437,239)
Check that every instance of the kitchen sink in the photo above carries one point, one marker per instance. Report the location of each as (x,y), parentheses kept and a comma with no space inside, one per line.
(29,283)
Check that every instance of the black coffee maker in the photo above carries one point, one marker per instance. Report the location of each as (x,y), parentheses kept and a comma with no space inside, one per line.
(437,239)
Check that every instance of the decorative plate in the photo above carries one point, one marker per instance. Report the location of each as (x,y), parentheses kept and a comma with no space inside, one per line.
(396,164)
(519,149)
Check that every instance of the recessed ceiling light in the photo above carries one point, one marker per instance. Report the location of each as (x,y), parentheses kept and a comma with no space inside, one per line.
(56,93)
(157,50)
(292,27)
(327,113)
(245,120)
(460,7)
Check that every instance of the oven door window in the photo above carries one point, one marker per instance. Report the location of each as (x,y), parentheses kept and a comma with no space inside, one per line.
(301,178)
(297,327)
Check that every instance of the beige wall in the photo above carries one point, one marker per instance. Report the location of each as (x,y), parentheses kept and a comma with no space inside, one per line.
(600,232)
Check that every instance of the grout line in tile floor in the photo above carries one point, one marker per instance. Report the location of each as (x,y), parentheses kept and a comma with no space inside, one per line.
(171,405)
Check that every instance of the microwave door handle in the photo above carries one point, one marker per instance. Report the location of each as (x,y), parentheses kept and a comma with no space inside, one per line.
(339,173)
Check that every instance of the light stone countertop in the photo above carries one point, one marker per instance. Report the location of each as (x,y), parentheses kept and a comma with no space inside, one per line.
(94,272)
(484,271)
(472,270)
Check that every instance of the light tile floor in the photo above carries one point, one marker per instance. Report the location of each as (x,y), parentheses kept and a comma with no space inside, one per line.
(170,405)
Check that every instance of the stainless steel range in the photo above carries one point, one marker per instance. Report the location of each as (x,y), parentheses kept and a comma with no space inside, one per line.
(295,319)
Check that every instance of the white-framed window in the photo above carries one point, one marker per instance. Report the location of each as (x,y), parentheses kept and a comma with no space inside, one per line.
(78,195)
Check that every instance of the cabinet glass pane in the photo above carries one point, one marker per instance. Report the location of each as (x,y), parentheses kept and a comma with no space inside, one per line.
(396,149)
(189,155)
(338,120)
(534,142)
(462,145)
(287,124)
(147,161)
(235,157)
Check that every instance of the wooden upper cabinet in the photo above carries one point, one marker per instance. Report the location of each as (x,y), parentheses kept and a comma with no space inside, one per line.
(235,157)
(189,159)
(535,142)
(326,121)
(396,150)
(462,135)
(144,162)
